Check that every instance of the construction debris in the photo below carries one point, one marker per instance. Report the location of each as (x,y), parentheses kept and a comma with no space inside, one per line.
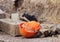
(44,10)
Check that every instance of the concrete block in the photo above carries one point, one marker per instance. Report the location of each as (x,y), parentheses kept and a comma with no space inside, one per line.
(9,26)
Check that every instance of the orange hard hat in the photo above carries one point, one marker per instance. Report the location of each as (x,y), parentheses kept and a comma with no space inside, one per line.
(29,29)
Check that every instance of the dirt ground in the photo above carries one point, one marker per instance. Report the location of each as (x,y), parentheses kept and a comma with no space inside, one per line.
(7,38)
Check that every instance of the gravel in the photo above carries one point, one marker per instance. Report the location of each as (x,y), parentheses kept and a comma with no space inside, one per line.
(7,38)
